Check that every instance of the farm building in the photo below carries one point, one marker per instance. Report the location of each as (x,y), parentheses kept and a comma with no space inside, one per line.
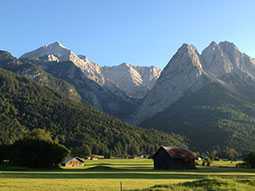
(73,162)
(173,158)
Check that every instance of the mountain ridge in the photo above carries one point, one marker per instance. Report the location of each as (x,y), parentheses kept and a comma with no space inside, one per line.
(103,75)
(196,94)
(221,107)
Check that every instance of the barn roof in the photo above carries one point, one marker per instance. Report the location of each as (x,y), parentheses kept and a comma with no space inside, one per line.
(74,159)
(179,153)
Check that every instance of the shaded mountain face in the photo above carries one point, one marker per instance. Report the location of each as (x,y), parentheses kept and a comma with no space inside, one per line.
(34,72)
(132,80)
(115,90)
(117,104)
(6,57)
(25,105)
(71,82)
(211,102)
(211,118)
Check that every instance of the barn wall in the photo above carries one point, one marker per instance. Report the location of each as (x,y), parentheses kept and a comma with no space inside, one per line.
(162,160)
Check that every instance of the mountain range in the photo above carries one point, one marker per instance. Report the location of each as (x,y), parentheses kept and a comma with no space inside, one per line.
(208,97)
(135,81)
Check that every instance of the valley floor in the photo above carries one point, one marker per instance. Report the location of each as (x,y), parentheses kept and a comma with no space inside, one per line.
(108,175)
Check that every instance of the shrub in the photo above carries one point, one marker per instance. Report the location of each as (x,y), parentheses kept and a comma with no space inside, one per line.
(250,160)
(37,153)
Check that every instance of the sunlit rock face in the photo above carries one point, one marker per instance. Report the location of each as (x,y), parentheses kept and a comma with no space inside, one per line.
(57,52)
(183,73)
(135,81)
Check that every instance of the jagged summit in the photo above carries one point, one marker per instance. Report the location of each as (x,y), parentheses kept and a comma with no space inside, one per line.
(135,81)
(228,45)
(186,58)
(56,44)
(58,52)
(183,72)
(188,71)
(215,61)
(187,46)
(224,58)
(53,49)
(124,64)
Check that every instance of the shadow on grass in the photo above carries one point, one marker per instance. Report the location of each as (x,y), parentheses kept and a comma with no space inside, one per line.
(96,175)
(206,184)
(108,172)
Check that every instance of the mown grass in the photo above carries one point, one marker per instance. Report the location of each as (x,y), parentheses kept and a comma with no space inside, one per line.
(205,185)
(132,173)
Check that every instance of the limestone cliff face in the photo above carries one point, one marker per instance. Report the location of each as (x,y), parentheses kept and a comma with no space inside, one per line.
(224,58)
(149,75)
(57,52)
(188,71)
(215,61)
(183,73)
(135,81)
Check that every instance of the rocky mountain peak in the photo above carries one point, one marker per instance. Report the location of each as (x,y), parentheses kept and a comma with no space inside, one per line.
(232,53)
(149,75)
(56,49)
(183,73)
(228,45)
(56,44)
(124,64)
(58,52)
(212,46)
(225,57)
(186,58)
(135,81)
(215,61)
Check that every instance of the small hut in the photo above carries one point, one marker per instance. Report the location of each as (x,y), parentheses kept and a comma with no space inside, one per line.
(173,158)
(73,162)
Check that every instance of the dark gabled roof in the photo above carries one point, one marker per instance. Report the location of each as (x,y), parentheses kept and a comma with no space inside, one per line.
(74,158)
(80,159)
(179,153)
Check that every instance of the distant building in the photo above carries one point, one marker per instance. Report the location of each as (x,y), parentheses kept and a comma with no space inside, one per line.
(173,158)
(73,162)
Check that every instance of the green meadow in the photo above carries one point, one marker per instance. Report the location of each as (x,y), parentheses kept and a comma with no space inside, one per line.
(132,174)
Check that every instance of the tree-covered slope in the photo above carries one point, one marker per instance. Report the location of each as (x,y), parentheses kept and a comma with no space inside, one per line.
(70,81)
(25,105)
(34,72)
(216,116)
(116,104)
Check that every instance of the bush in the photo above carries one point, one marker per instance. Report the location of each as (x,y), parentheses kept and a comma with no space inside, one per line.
(3,153)
(250,160)
(37,153)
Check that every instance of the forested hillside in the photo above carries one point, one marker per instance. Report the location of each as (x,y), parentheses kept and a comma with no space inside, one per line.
(25,105)
(215,117)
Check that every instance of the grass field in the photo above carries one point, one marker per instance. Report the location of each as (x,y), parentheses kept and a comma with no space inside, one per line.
(132,173)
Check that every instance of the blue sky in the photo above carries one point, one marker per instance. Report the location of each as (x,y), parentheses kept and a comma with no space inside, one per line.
(141,32)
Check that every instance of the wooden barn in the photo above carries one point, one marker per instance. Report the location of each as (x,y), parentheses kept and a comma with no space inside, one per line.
(173,158)
(73,162)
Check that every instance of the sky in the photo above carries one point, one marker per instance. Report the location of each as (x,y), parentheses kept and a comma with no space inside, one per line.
(140,32)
